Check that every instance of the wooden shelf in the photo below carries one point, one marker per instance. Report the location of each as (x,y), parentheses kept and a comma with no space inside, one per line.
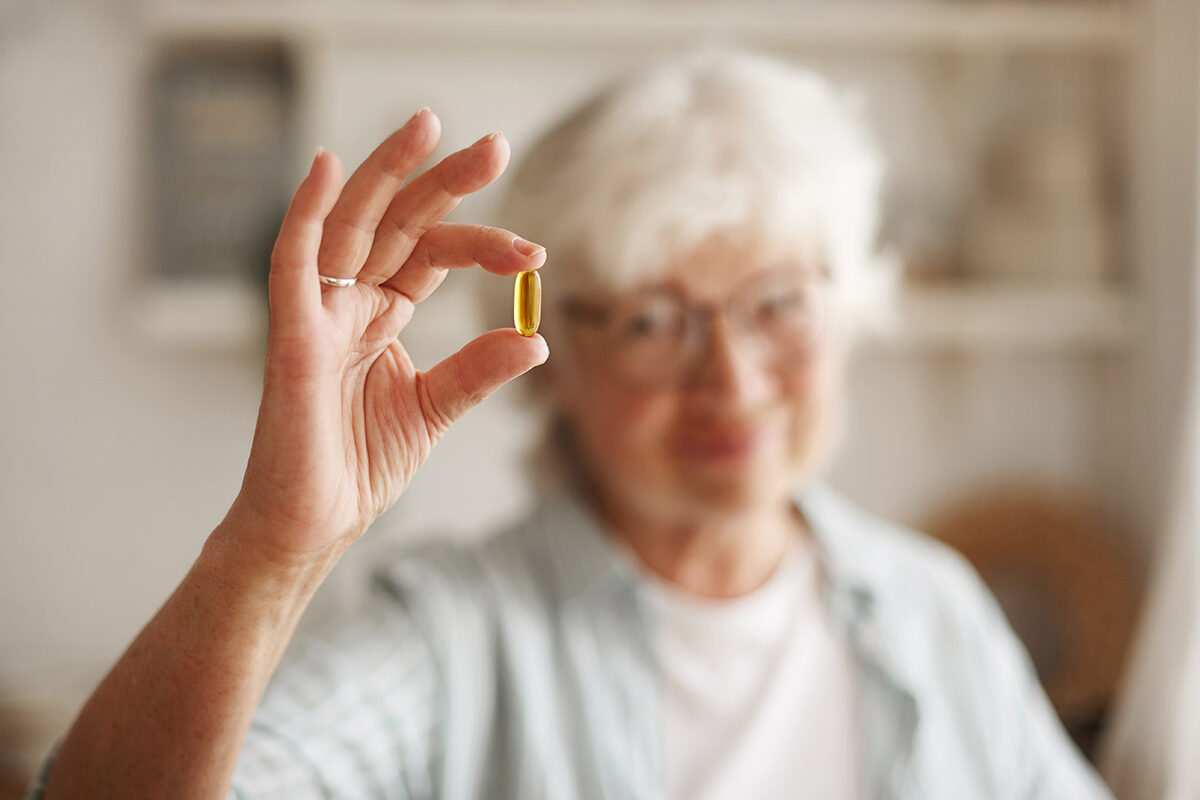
(1072,25)
(215,315)
(1000,317)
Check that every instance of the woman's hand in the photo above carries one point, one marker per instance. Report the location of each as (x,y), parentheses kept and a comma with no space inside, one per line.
(345,418)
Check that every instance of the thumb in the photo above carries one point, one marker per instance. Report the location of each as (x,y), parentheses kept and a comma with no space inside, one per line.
(483,365)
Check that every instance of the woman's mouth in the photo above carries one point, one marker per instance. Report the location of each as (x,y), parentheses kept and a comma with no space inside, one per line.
(726,444)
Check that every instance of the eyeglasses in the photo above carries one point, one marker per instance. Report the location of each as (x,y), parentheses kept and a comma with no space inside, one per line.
(655,337)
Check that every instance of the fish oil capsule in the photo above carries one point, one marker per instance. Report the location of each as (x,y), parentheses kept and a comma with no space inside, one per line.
(527,302)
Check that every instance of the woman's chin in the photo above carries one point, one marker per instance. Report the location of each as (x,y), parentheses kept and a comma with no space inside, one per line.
(735,487)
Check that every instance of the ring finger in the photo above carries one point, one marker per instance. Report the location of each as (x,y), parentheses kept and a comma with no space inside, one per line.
(421,204)
(350,226)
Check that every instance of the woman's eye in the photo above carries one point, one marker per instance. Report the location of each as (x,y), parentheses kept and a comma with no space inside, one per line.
(642,325)
(780,303)
(651,321)
(647,324)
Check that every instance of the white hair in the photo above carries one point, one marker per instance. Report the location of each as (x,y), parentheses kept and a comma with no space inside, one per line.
(713,142)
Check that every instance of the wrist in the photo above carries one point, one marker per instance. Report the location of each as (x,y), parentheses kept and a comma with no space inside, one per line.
(245,546)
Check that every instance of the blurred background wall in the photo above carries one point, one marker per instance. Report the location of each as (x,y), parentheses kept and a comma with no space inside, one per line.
(1042,194)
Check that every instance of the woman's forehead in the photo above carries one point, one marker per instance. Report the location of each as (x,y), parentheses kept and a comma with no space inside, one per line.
(720,265)
(714,268)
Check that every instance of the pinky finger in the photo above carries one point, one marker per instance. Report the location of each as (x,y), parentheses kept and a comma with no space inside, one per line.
(295,291)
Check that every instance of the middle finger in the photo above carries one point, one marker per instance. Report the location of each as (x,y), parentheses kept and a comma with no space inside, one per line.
(421,204)
(350,226)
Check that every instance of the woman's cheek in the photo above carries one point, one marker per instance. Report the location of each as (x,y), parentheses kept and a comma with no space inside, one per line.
(807,422)
(642,423)
(814,404)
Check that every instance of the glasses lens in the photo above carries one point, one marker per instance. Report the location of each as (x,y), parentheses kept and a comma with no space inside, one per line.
(647,337)
(782,314)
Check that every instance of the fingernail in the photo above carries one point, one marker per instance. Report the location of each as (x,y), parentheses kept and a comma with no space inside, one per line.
(316,157)
(419,113)
(527,248)
(489,138)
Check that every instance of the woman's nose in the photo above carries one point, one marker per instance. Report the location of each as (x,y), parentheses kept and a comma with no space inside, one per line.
(724,373)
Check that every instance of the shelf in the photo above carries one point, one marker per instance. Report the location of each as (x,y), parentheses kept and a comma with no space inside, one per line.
(231,315)
(999,317)
(1072,25)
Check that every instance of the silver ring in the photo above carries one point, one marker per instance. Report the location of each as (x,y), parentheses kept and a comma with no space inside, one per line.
(341,282)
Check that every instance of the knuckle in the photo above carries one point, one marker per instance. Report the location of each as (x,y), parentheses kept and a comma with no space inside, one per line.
(395,166)
(399,162)
(349,226)
(421,258)
(400,226)
(457,174)
(471,396)
(435,418)
(394,226)
(490,232)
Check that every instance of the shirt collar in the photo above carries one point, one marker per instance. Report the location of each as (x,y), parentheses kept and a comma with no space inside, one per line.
(851,568)
(864,579)
(582,557)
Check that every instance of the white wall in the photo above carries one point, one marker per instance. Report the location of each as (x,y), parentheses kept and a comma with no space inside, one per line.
(115,460)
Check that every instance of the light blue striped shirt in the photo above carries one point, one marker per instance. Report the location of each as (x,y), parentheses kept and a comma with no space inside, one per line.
(524,667)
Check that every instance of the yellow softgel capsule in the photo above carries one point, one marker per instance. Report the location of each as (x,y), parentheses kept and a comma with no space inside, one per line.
(527,302)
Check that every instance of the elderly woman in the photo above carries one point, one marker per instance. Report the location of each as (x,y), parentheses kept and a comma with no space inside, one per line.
(688,612)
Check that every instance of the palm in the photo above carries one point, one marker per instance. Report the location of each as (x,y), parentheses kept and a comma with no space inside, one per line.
(380,432)
(398,431)
(346,418)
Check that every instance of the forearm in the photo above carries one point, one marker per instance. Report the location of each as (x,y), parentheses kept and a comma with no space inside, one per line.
(171,716)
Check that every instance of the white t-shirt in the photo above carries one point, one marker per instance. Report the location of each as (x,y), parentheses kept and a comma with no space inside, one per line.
(758,690)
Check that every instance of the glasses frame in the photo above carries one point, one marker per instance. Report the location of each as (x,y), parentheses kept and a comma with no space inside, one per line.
(700,320)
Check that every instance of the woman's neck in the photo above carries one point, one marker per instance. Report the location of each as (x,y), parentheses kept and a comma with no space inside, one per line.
(720,559)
